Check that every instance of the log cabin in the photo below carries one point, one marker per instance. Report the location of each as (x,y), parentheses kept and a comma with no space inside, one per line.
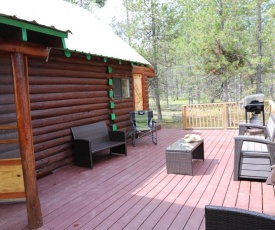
(59,68)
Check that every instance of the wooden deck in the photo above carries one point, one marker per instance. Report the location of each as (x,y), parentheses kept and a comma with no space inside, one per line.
(135,192)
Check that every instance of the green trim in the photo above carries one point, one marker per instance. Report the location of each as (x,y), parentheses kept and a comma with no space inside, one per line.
(63,43)
(112,105)
(24,35)
(119,62)
(67,53)
(111,93)
(29,26)
(105,59)
(109,69)
(80,52)
(112,116)
(88,56)
(110,81)
(132,64)
(114,127)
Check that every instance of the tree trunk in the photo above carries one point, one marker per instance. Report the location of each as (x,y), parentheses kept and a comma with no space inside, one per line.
(259,41)
(155,81)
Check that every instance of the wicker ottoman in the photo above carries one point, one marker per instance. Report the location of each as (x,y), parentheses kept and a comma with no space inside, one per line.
(180,154)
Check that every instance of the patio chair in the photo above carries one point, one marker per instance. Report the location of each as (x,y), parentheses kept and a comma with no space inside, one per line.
(268,130)
(217,217)
(142,124)
(252,163)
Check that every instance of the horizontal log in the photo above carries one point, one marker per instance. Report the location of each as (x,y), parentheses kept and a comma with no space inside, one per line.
(65,88)
(7,99)
(124,100)
(35,80)
(24,48)
(149,72)
(6,119)
(35,114)
(62,96)
(100,115)
(8,108)
(61,119)
(121,73)
(67,103)
(8,134)
(128,105)
(121,118)
(124,125)
(50,160)
(57,66)
(5,78)
(9,151)
(9,147)
(6,89)
(52,151)
(52,143)
(66,73)
(51,136)
(123,111)
(50,168)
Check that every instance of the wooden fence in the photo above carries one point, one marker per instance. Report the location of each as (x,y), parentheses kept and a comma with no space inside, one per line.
(218,115)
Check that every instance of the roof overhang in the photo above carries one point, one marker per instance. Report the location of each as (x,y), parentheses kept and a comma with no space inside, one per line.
(24,31)
(62,25)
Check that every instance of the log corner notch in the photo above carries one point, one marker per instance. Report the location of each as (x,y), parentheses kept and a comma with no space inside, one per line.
(145,71)
(22,101)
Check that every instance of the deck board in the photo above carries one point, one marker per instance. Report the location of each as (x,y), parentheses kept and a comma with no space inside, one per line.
(135,192)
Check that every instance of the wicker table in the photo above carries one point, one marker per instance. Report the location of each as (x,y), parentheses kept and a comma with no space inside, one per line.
(180,154)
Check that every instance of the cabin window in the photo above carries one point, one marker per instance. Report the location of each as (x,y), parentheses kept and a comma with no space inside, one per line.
(121,88)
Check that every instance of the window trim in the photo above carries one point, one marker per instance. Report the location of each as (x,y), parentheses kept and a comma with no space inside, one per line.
(118,88)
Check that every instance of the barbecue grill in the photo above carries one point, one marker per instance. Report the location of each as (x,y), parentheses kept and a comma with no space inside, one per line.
(254,104)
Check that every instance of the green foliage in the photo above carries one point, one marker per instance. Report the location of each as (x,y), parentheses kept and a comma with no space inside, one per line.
(197,46)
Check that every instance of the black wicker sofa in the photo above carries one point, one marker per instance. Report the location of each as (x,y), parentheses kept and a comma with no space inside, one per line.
(93,138)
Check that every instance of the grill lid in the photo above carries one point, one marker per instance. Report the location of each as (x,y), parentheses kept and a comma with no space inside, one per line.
(254,99)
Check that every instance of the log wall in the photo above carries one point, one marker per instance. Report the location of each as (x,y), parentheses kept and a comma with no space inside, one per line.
(67,92)
(9,147)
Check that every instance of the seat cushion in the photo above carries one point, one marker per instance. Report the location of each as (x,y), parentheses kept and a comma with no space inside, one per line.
(105,145)
(254,147)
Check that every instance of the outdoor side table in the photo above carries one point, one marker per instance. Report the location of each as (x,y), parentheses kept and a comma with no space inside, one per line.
(180,154)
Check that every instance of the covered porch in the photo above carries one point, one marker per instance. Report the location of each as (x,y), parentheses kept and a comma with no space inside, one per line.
(135,192)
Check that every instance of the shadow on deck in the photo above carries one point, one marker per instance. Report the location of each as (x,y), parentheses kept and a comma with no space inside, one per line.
(135,192)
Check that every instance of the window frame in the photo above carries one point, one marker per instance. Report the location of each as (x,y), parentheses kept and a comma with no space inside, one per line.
(121,88)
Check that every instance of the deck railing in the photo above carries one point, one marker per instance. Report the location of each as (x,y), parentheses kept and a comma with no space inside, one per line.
(218,115)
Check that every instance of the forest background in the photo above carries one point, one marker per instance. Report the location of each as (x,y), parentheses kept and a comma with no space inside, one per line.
(202,51)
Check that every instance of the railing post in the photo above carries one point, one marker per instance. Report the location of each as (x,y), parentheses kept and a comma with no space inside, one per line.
(224,116)
(184,120)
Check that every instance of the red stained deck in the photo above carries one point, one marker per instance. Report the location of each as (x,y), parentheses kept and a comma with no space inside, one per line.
(135,192)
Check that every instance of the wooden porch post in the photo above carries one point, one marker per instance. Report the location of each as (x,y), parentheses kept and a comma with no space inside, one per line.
(184,117)
(21,89)
(224,116)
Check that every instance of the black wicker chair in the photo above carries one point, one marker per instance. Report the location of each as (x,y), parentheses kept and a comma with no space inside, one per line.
(142,124)
(225,218)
